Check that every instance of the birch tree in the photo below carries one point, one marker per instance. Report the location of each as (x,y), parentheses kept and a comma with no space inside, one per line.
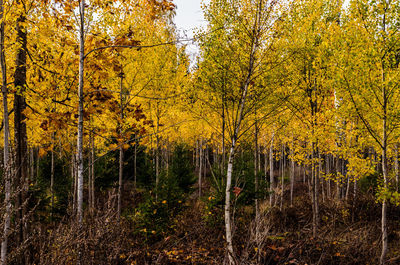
(248,29)
(80,111)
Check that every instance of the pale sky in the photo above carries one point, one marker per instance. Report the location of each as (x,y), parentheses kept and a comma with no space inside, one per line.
(189,16)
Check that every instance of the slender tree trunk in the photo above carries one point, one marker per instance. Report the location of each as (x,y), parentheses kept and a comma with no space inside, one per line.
(200,165)
(205,157)
(215,155)
(228,219)
(256,168)
(157,156)
(194,157)
(282,169)
(135,164)
(73,178)
(93,175)
(309,183)
(319,175)
(223,158)
(314,223)
(121,150)
(271,172)
(256,180)
(384,158)
(197,155)
(52,178)
(338,181)
(317,185)
(347,188)
(328,172)
(355,190)
(259,150)
(396,164)
(167,158)
(6,131)
(314,154)
(80,113)
(90,175)
(240,115)
(32,165)
(37,165)
(384,203)
(314,190)
(292,174)
(266,165)
(120,176)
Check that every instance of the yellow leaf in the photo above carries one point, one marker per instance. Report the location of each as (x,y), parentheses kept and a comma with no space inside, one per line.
(42,152)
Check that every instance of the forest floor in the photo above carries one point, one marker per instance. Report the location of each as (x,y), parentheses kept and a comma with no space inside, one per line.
(349,233)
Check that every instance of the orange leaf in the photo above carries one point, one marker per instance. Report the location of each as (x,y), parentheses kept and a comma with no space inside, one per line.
(237,191)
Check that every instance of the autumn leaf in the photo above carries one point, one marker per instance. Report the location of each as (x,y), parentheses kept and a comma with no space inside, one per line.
(237,191)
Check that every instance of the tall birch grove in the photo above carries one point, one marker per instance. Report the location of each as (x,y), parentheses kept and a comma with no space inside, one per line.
(276,142)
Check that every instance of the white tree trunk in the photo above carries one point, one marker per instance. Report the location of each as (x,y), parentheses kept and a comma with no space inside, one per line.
(228,220)
(250,68)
